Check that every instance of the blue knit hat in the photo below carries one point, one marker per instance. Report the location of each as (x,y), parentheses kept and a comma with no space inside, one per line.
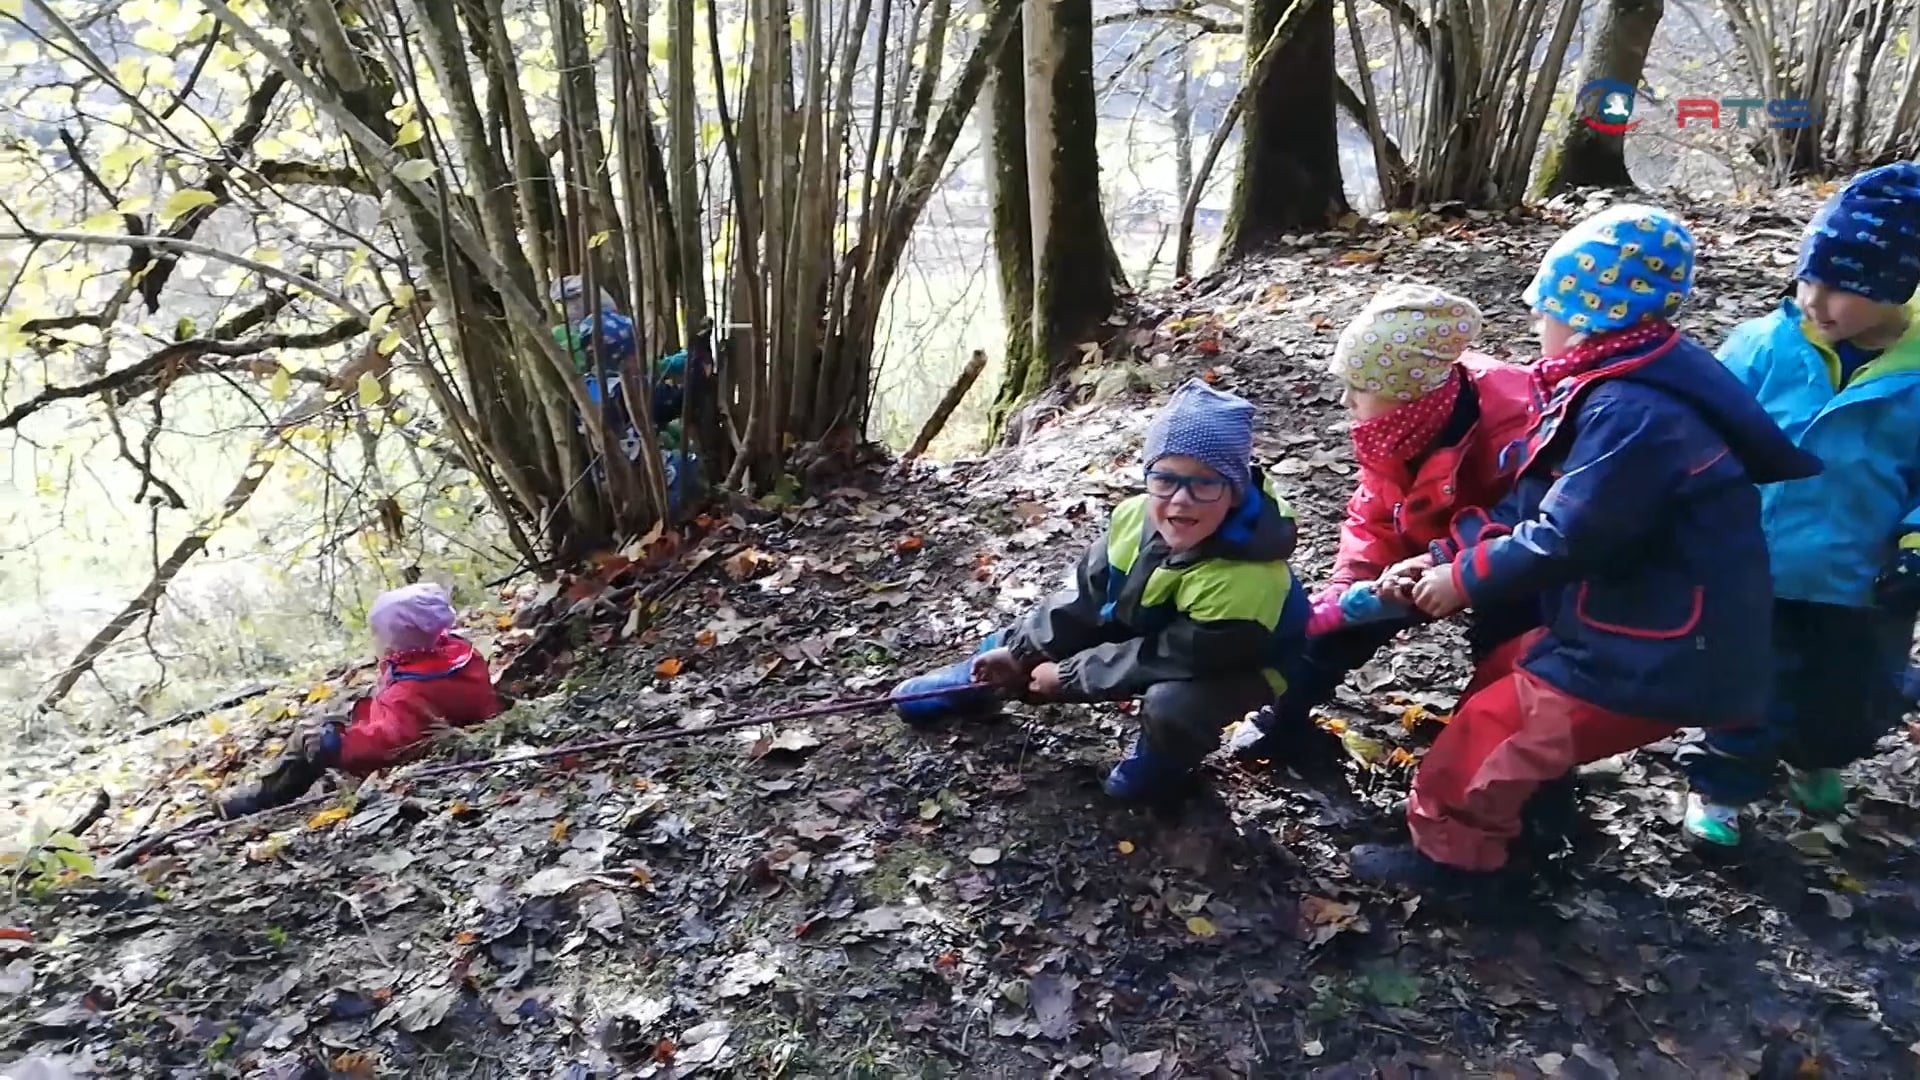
(1866,239)
(1614,269)
(1211,427)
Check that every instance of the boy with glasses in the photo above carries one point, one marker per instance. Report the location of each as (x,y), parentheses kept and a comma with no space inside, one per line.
(1187,603)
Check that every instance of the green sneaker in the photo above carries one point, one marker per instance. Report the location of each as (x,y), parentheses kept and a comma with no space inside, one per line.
(1712,823)
(1821,792)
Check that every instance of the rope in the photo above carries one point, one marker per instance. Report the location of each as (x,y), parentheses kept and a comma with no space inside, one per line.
(830,708)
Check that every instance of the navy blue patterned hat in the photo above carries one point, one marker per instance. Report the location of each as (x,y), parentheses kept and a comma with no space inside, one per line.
(1866,239)
(1209,426)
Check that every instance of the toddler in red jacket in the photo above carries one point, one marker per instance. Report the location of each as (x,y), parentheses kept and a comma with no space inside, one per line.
(430,679)
(1433,424)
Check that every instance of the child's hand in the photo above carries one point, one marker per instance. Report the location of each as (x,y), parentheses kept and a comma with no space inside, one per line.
(1437,595)
(310,737)
(1397,582)
(1046,680)
(998,668)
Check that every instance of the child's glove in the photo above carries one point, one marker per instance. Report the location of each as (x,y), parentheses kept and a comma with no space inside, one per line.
(1360,603)
(318,739)
(1898,586)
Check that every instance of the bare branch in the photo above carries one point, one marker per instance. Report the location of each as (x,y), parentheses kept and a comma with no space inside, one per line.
(177,359)
(1206,24)
(314,174)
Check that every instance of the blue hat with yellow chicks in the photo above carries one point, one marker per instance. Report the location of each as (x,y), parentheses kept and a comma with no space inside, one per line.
(1614,269)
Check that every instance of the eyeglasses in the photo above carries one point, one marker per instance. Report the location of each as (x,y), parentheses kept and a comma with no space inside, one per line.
(1201,489)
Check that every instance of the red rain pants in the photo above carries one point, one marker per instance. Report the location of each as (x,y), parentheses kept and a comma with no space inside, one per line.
(1511,734)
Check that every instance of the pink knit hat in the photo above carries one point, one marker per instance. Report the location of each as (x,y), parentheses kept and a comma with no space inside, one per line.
(410,618)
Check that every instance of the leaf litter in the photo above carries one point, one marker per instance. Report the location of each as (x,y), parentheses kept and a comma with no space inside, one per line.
(687,909)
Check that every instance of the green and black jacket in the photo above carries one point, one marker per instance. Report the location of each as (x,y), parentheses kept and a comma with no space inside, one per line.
(1139,614)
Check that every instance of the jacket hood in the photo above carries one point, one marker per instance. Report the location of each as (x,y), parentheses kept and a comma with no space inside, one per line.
(1685,370)
(1260,529)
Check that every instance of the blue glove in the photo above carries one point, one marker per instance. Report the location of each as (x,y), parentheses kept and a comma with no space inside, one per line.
(1898,586)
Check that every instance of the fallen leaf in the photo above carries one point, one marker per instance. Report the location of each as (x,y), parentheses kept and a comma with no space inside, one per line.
(331,815)
(795,741)
(559,831)
(602,912)
(1051,997)
(704,1045)
(745,973)
(319,693)
(16,978)
(706,639)
(984,856)
(1126,847)
(421,1009)
(1321,919)
(552,881)
(908,544)
(745,564)
(1201,926)
(1131,1066)
(668,668)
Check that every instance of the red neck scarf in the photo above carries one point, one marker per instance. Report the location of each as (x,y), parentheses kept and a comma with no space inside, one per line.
(1391,441)
(1597,350)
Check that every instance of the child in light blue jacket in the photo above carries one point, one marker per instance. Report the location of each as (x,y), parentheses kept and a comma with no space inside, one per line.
(1838,368)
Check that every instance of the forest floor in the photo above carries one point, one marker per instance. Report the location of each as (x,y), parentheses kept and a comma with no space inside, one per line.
(847,898)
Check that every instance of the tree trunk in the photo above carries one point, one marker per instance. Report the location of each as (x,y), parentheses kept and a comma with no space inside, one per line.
(1012,221)
(1288,179)
(1073,279)
(1616,50)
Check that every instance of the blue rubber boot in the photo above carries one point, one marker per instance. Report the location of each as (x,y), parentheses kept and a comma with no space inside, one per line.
(966,700)
(1146,775)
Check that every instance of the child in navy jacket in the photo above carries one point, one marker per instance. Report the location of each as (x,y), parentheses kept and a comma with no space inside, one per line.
(1838,367)
(1636,524)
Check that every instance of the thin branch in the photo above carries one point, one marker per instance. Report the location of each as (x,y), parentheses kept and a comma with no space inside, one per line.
(1206,24)
(172,360)
(191,247)
(314,174)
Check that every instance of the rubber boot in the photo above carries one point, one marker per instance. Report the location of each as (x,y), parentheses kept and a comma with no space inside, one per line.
(966,699)
(287,780)
(1146,775)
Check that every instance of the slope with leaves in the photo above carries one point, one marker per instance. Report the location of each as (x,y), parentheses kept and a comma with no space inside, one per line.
(849,898)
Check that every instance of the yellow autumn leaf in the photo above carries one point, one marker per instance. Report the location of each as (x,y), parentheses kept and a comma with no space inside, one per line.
(329,816)
(1201,926)
(403,296)
(559,831)
(401,113)
(319,693)
(184,200)
(1126,847)
(154,39)
(11,8)
(378,321)
(390,343)
(282,385)
(105,222)
(369,390)
(598,238)
(217,726)
(410,132)
(413,172)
